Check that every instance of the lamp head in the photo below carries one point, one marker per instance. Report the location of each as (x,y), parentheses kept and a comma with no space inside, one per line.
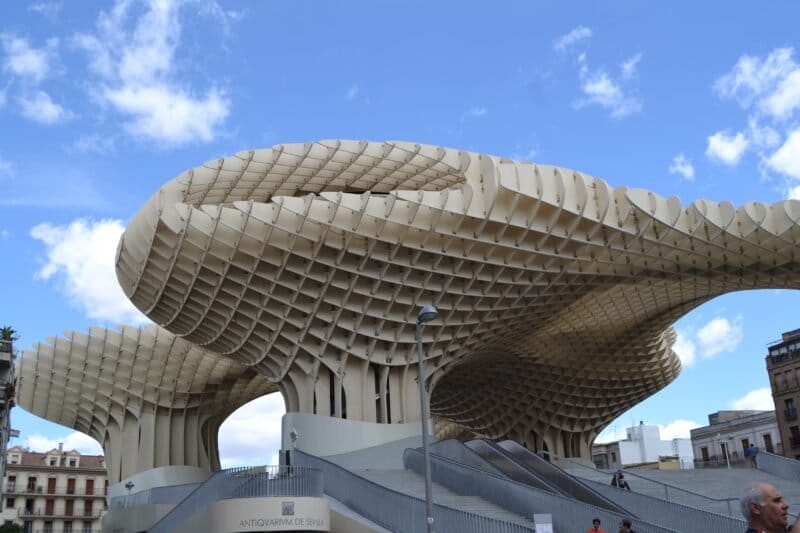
(426,314)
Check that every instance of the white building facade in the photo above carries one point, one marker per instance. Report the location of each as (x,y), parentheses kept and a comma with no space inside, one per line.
(643,445)
(7,390)
(729,433)
(54,492)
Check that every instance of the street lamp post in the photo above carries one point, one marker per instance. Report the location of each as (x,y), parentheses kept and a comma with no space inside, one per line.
(426,314)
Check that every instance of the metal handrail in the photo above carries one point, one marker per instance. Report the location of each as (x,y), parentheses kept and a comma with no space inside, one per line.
(396,511)
(567,513)
(172,494)
(667,486)
(677,515)
(244,482)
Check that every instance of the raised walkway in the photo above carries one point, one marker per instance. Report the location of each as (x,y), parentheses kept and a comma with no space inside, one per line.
(698,485)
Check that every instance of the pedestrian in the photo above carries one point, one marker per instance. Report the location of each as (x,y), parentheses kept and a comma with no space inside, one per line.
(751,453)
(625,526)
(619,480)
(765,510)
(596,527)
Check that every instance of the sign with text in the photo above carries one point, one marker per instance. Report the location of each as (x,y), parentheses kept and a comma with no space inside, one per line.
(268,514)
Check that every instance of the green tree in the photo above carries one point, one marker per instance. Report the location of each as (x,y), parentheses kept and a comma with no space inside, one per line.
(7,333)
(10,527)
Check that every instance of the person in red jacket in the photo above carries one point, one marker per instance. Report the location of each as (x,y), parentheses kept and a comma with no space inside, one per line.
(596,527)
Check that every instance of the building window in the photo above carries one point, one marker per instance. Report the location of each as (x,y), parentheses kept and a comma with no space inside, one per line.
(53,461)
(14,459)
(48,527)
(768,442)
(10,502)
(87,526)
(795,436)
(613,457)
(67,527)
(790,412)
(73,463)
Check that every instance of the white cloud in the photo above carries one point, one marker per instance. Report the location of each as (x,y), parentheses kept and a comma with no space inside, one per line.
(681,165)
(40,108)
(628,68)
(92,143)
(81,255)
(793,193)
(576,35)
(720,335)
(352,92)
(48,10)
(611,434)
(252,434)
(757,399)
(751,78)
(769,88)
(762,136)
(602,90)
(677,429)
(72,441)
(598,87)
(134,62)
(786,98)
(726,148)
(6,167)
(160,112)
(475,112)
(524,156)
(786,159)
(685,348)
(25,61)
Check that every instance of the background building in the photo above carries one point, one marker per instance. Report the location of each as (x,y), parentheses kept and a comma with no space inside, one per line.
(729,433)
(56,491)
(6,391)
(783,366)
(643,445)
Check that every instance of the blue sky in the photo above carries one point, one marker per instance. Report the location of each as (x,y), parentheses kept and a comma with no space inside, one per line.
(103,102)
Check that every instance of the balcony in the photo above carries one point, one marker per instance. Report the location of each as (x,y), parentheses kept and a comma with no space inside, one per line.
(60,490)
(6,353)
(75,514)
(75,529)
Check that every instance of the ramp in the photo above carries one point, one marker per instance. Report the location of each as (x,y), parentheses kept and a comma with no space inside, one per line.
(567,484)
(511,468)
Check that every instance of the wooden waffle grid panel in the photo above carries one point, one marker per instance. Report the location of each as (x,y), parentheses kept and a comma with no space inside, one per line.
(556,292)
(150,398)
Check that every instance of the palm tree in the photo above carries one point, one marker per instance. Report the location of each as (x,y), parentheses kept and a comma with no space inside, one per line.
(7,337)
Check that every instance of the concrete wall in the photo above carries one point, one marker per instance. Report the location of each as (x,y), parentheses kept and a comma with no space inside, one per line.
(323,435)
(164,476)
(286,513)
